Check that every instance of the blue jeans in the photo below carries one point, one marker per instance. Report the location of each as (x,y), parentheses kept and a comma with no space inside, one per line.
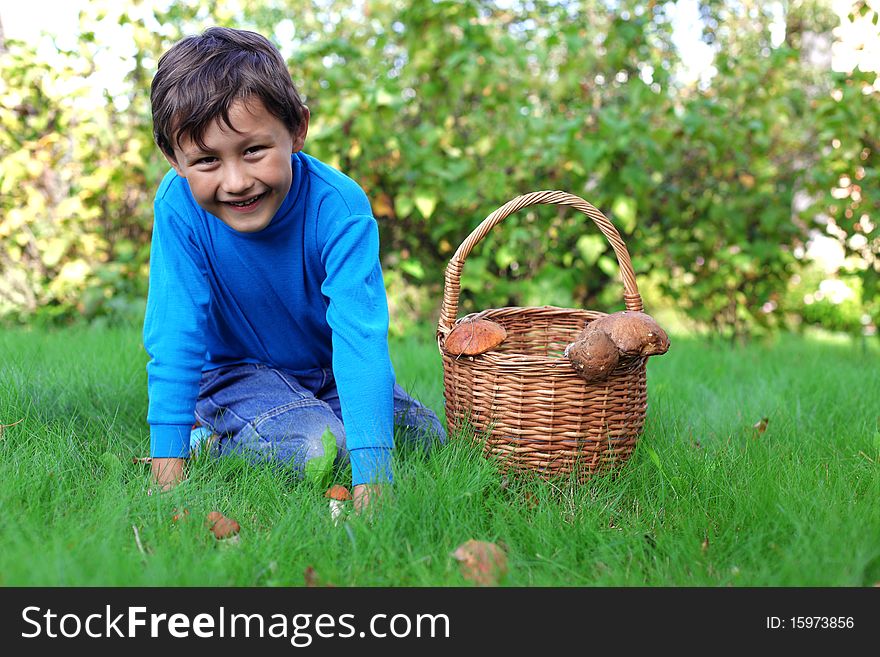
(272,415)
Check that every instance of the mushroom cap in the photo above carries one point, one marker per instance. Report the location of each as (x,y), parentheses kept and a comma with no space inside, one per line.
(221,526)
(473,337)
(337,492)
(593,356)
(225,527)
(481,562)
(635,333)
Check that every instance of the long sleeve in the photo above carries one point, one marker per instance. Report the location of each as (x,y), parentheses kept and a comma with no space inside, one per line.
(358,317)
(174,331)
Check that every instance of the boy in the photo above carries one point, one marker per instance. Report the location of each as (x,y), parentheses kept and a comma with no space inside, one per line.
(266,316)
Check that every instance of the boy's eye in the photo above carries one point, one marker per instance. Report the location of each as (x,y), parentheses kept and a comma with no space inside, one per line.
(206,160)
(254,149)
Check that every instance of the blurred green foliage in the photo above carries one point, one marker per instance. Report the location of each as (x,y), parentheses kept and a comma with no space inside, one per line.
(444,111)
(835,304)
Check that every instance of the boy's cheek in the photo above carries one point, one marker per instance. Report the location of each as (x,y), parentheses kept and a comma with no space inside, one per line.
(201,196)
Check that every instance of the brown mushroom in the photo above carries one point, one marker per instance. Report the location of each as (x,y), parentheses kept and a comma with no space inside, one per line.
(338,495)
(337,492)
(594,356)
(481,562)
(473,337)
(634,333)
(221,526)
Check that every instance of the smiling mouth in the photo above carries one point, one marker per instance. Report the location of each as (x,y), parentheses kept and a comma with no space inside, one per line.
(246,203)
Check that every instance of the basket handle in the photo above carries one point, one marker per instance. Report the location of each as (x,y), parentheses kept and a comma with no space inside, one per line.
(452,286)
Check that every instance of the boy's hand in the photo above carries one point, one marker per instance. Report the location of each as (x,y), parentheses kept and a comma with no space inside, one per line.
(167,472)
(365,495)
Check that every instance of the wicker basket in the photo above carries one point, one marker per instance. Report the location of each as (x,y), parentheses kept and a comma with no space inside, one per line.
(523,399)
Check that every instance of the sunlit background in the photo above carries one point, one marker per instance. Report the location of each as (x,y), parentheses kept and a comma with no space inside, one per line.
(734,143)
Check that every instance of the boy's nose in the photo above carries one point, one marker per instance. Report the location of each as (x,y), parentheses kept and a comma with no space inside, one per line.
(236,180)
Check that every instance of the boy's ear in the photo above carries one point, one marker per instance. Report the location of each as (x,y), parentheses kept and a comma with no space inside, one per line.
(299,138)
(172,160)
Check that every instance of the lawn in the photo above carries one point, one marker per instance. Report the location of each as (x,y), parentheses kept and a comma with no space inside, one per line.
(705,500)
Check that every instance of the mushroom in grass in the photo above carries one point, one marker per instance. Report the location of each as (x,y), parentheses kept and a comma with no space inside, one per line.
(338,496)
(474,337)
(627,333)
(481,562)
(221,526)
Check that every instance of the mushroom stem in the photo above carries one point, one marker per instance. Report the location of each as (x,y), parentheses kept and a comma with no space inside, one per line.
(338,496)
(336,509)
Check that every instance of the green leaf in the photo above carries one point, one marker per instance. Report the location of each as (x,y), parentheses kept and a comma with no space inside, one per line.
(426,204)
(54,250)
(383,98)
(609,266)
(655,458)
(504,256)
(403,205)
(589,154)
(318,469)
(624,211)
(591,247)
(414,268)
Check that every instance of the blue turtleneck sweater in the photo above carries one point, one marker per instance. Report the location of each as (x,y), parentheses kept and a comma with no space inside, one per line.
(305,292)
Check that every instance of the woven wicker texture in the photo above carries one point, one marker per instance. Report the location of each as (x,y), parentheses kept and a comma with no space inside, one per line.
(527,405)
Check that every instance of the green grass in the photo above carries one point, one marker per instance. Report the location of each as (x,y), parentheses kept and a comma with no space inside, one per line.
(703,501)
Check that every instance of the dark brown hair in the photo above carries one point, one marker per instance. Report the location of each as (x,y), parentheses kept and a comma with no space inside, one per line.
(200,77)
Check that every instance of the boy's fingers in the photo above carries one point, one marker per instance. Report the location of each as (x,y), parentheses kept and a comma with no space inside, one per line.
(167,472)
(366,495)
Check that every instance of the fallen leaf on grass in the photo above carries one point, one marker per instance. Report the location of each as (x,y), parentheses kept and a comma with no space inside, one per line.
(530,499)
(310,576)
(761,425)
(481,562)
(705,544)
(179,515)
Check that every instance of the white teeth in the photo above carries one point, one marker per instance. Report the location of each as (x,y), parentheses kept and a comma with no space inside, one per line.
(241,204)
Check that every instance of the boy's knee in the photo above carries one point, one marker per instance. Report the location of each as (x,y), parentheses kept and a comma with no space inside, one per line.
(308,439)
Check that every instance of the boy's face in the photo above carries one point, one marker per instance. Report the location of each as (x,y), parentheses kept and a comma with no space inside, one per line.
(243,175)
